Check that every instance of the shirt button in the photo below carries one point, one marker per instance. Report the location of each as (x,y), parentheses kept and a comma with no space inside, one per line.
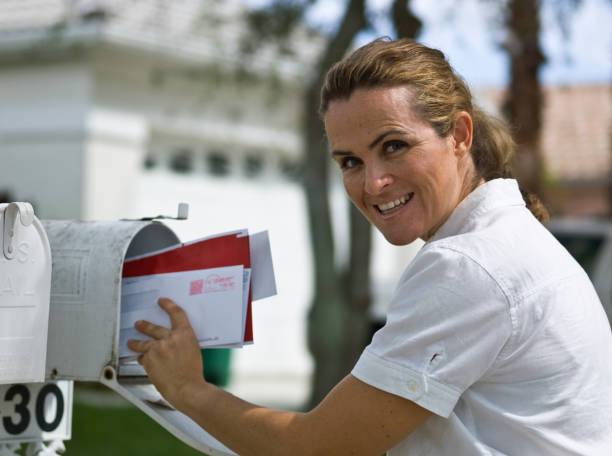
(413,386)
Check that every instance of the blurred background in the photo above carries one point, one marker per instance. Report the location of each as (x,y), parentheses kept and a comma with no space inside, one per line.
(123,108)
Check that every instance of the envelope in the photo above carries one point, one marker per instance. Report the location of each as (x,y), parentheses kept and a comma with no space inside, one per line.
(214,299)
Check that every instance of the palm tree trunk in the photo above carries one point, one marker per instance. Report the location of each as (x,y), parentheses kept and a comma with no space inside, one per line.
(523,104)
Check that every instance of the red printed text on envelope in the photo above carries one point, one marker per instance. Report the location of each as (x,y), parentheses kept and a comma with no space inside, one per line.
(215,283)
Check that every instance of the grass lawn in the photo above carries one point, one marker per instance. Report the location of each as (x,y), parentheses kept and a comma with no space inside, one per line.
(120,430)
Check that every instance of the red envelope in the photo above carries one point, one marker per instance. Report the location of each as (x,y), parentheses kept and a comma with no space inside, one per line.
(216,252)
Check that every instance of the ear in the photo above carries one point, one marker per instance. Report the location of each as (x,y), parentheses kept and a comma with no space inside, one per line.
(462,133)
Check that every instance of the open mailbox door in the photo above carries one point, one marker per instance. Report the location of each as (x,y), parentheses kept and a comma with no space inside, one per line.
(25,281)
(84,323)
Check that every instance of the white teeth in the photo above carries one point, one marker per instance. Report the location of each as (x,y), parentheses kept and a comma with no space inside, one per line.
(392,204)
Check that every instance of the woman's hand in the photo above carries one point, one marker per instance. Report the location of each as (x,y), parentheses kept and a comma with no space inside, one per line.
(172,359)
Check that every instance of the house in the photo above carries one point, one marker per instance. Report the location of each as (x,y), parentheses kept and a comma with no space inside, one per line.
(576,146)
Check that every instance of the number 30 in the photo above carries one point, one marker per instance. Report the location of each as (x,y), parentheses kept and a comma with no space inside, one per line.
(21,408)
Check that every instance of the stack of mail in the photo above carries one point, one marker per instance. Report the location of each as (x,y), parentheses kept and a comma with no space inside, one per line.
(213,279)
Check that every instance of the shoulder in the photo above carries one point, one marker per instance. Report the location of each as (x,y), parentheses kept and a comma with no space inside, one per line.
(447,267)
(512,249)
(446,290)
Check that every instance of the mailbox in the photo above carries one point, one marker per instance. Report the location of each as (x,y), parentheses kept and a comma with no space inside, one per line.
(30,410)
(84,322)
(25,280)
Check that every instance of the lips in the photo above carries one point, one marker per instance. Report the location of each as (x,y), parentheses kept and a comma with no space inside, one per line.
(391,206)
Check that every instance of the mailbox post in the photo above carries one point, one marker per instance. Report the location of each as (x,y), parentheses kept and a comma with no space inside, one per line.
(84,269)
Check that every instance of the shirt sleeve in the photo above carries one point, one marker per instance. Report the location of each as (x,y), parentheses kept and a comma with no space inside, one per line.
(447,322)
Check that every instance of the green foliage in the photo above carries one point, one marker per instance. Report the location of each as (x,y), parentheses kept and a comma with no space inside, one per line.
(274,23)
(277,19)
(550,183)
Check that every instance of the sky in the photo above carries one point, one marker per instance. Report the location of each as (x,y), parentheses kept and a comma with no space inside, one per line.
(468,30)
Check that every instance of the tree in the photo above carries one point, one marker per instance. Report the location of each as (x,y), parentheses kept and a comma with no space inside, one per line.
(338,324)
(330,311)
(524,100)
(523,103)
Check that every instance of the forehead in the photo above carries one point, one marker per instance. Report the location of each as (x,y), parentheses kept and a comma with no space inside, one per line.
(368,112)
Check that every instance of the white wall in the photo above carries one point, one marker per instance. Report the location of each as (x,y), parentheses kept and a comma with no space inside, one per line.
(42,118)
(114,152)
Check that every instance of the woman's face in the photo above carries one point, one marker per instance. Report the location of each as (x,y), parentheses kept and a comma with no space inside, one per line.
(401,175)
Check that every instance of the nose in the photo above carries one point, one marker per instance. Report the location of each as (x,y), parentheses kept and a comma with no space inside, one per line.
(377,179)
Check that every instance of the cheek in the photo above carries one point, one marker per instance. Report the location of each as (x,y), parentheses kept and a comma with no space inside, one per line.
(353,186)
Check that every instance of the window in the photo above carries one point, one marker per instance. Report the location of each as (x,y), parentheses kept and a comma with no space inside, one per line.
(150,161)
(218,164)
(182,161)
(291,170)
(253,165)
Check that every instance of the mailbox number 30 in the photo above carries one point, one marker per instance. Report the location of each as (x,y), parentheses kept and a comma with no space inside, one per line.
(21,394)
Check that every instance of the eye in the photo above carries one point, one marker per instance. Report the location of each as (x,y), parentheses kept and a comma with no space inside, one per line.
(390,147)
(349,162)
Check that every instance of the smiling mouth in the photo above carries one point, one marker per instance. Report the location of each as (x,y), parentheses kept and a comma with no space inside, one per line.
(392,206)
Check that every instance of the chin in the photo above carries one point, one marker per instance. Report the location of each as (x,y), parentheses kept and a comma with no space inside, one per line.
(400,239)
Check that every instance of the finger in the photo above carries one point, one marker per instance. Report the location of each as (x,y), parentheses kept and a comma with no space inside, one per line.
(178,318)
(151,330)
(139,346)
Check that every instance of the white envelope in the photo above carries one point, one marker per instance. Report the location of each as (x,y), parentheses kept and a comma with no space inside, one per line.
(213,300)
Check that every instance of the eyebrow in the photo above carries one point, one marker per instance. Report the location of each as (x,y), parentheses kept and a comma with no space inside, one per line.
(339,153)
(382,136)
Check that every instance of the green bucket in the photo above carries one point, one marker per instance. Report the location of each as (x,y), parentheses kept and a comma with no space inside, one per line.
(217,365)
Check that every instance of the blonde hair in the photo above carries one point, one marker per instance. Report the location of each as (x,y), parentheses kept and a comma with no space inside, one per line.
(438,95)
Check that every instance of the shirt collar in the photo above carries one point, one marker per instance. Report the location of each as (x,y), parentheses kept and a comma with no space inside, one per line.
(491,195)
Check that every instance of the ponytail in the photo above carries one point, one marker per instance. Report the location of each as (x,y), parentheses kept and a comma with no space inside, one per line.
(536,207)
(492,151)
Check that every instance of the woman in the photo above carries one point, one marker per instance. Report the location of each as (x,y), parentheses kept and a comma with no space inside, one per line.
(495,341)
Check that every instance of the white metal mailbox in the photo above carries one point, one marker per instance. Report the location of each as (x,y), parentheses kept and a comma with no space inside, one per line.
(84,322)
(31,411)
(25,281)
(86,291)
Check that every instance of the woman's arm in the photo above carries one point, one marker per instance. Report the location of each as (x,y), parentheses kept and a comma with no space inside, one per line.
(355,418)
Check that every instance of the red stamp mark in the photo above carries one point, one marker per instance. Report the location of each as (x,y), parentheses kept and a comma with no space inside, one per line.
(215,283)
(196,287)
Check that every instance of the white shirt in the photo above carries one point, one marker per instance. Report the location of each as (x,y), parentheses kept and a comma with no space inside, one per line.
(498,331)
